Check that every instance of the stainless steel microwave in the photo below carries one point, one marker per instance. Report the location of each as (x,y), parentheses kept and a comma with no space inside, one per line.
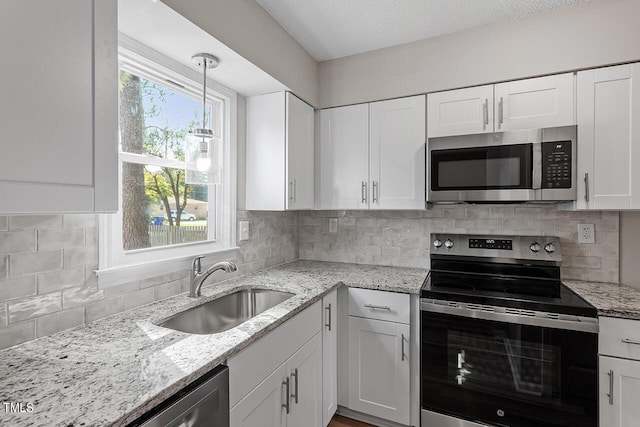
(513,166)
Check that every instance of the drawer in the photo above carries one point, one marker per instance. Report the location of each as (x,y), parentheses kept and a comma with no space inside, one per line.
(380,305)
(619,337)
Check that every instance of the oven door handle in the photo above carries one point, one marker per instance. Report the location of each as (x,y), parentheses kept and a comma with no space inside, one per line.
(576,323)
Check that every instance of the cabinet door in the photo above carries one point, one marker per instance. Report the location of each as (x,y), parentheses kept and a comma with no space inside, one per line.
(266,180)
(299,153)
(460,112)
(535,103)
(58,108)
(343,158)
(330,356)
(397,153)
(263,406)
(379,368)
(305,376)
(619,390)
(609,138)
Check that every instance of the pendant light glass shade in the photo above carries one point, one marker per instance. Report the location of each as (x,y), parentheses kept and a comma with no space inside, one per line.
(203,151)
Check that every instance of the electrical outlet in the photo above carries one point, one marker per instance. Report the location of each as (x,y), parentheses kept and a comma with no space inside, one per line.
(333,225)
(244,230)
(586,233)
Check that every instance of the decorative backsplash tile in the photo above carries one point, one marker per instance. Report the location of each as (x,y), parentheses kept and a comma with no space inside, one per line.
(402,238)
(47,282)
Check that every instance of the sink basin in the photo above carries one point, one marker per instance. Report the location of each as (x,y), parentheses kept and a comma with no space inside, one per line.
(226,312)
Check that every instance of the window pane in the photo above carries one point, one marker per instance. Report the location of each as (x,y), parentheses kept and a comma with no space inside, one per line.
(159,209)
(155,119)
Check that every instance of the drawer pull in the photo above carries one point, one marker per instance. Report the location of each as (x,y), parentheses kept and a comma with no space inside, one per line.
(378,307)
(628,341)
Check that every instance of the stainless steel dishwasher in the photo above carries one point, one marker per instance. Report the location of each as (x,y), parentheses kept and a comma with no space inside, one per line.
(205,402)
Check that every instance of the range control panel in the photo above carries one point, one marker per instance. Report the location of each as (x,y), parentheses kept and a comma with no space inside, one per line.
(556,164)
(544,248)
(505,244)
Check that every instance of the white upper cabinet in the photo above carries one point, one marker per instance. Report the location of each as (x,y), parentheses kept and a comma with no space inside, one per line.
(397,153)
(342,158)
(280,131)
(59,106)
(460,112)
(522,104)
(609,138)
(542,102)
(372,156)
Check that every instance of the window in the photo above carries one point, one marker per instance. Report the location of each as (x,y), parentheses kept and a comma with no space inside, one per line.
(164,219)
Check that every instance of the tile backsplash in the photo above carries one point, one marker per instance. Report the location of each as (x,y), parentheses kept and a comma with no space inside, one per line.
(47,283)
(402,238)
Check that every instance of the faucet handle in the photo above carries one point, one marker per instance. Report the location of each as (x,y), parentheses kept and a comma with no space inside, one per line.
(196,266)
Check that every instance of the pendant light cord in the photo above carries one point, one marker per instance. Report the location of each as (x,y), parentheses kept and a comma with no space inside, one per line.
(204,95)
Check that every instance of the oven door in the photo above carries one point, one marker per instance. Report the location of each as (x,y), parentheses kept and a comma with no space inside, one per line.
(507,374)
(484,173)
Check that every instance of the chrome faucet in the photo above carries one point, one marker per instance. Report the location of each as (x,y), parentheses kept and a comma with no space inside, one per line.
(198,277)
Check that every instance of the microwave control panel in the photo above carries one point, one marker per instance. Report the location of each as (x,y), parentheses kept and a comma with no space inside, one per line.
(556,164)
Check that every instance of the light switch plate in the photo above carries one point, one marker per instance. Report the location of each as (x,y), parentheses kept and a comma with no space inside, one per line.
(333,225)
(586,233)
(244,230)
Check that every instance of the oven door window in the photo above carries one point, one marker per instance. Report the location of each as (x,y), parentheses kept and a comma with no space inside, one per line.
(482,168)
(508,374)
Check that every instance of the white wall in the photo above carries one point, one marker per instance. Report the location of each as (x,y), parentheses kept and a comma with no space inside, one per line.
(596,33)
(245,27)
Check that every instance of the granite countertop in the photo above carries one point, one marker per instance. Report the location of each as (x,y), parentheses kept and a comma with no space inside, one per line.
(611,299)
(111,371)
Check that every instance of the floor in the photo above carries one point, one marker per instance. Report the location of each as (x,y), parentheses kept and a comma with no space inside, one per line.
(338,421)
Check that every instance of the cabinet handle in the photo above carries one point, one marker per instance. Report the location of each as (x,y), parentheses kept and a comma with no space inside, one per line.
(364,192)
(485,114)
(291,189)
(610,394)
(286,404)
(328,309)
(628,341)
(402,346)
(378,307)
(375,192)
(586,187)
(295,375)
(500,112)
(294,190)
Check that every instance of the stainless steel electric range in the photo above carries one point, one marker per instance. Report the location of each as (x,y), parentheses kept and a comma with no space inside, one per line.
(504,342)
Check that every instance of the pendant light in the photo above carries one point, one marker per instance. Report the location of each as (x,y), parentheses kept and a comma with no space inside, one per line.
(202,146)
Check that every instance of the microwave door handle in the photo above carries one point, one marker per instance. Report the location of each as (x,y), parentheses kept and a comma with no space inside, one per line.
(536,182)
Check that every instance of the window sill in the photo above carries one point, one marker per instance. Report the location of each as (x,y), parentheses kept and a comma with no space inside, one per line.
(115,276)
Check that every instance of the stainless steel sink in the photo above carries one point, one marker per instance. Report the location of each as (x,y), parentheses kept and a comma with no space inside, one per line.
(226,312)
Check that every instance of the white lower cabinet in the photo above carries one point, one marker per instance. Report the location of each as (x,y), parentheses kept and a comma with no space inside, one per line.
(278,381)
(379,364)
(329,356)
(305,385)
(619,390)
(619,372)
(263,405)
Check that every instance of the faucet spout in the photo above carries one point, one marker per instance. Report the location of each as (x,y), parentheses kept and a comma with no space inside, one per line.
(198,276)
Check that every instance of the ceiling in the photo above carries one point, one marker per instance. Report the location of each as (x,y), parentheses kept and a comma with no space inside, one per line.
(329,29)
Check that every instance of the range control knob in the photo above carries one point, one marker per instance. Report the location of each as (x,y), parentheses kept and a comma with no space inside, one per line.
(448,244)
(535,247)
(437,243)
(550,248)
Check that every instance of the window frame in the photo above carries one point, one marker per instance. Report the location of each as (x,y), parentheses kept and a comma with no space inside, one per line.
(117,266)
